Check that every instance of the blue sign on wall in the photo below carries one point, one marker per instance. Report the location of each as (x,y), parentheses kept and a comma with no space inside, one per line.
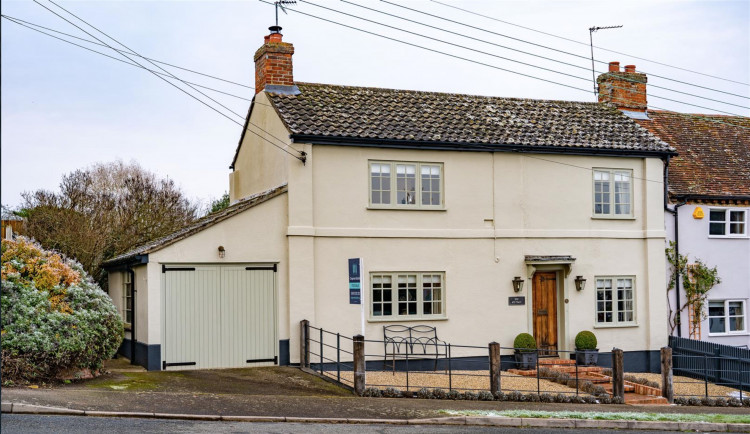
(355,281)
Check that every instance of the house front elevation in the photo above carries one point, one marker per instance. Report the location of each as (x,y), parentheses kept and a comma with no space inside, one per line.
(481,216)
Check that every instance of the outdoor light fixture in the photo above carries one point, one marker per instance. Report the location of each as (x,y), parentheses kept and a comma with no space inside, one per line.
(580,283)
(222,252)
(517,284)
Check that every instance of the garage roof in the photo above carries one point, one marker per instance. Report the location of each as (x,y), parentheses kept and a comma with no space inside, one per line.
(204,223)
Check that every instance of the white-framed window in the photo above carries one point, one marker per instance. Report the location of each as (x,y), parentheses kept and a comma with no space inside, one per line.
(407,295)
(726,317)
(613,193)
(615,300)
(725,222)
(396,184)
(127,299)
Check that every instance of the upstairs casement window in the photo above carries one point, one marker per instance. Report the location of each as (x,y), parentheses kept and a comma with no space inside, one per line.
(615,301)
(727,223)
(726,317)
(406,185)
(613,193)
(407,295)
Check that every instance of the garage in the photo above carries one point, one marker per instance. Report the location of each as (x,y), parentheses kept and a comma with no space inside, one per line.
(218,316)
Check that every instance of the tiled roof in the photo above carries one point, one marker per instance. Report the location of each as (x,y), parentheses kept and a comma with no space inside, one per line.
(358,114)
(198,226)
(714,156)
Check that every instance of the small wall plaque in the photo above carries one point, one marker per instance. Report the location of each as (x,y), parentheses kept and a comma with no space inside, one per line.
(516,301)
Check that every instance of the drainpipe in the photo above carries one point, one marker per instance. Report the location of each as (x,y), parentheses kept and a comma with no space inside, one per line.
(132,324)
(675,213)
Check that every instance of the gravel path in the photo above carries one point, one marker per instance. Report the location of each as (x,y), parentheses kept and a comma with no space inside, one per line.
(685,386)
(479,380)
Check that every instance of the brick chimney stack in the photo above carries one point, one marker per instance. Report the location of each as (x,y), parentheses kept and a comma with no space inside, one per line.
(626,90)
(273,64)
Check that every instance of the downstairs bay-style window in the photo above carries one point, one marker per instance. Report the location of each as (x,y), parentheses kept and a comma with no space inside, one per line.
(726,317)
(406,185)
(613,193)
(727,223)
(407,295)
(615,300)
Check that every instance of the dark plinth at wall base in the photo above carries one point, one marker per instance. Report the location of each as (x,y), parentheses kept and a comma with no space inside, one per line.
(635,361)
(148,356)
(284,352)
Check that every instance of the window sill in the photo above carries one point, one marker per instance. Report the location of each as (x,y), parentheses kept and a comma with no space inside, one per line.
(404,208)
(406,319)
(719,335)
(607,217)
(729,237)
(615,326)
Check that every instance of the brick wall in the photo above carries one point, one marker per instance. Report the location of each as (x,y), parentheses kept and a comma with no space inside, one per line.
(625,89)
(273,63)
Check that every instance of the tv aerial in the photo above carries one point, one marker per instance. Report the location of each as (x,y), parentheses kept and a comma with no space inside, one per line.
(279,4)
(591,40)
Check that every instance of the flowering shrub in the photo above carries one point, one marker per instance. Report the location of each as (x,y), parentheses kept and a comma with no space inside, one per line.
(54,317)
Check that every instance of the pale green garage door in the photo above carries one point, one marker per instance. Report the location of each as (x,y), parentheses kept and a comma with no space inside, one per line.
(219,316)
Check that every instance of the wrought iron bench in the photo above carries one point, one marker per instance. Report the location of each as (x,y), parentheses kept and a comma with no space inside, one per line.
(403,342)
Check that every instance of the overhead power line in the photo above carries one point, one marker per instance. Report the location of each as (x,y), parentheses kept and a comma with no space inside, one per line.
(515,61)
(21,23)
(302,155)
(475,61)
(564,52)
(18,21)
(624,78)
(600,48)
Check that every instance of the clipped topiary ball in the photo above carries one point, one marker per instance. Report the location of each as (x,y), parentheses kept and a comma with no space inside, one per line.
(524,341)
(585,340)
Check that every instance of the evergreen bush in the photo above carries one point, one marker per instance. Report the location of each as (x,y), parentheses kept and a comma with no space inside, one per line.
(524,341)
(585,340)
(54,316)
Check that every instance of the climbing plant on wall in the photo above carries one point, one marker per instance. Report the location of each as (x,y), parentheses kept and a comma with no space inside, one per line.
(697,279)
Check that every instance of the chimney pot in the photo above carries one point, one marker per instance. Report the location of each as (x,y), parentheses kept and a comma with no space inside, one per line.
(614,66)
(630,69)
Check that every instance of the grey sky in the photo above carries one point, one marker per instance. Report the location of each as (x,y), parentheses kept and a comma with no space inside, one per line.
(64,108)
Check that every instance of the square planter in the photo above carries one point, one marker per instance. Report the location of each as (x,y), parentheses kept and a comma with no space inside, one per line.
(526,361)
(587,357)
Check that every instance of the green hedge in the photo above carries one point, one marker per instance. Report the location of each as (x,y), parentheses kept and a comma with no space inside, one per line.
(54,317)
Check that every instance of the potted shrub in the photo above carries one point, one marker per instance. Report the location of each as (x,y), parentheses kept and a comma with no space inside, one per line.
(586,352)
(525,346)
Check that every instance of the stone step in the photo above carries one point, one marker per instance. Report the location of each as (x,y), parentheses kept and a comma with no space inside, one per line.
(582,370)
(636,399)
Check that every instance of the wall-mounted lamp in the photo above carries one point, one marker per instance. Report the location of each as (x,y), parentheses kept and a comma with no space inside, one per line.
(580,283)
(517,284)
(222,252)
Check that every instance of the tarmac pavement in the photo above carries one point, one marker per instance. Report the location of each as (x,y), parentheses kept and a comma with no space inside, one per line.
(290,395)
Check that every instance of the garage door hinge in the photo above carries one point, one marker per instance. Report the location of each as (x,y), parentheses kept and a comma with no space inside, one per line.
(164,364)
(274,268)
(164,268)
(275,360)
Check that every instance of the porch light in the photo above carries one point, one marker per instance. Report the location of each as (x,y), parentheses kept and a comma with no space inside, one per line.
(517,284)
(580,283)
(222,252)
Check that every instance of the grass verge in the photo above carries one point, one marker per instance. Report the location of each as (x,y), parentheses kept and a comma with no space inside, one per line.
(596,415)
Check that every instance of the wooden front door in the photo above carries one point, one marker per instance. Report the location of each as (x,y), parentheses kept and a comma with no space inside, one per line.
(544,293)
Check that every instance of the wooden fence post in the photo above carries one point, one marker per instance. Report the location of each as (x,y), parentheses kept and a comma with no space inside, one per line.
(359,364)
(618,380)
(494,368)
(304,343)
(667,389)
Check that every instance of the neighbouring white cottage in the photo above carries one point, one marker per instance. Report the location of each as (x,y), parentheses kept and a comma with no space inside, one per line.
(447,199)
